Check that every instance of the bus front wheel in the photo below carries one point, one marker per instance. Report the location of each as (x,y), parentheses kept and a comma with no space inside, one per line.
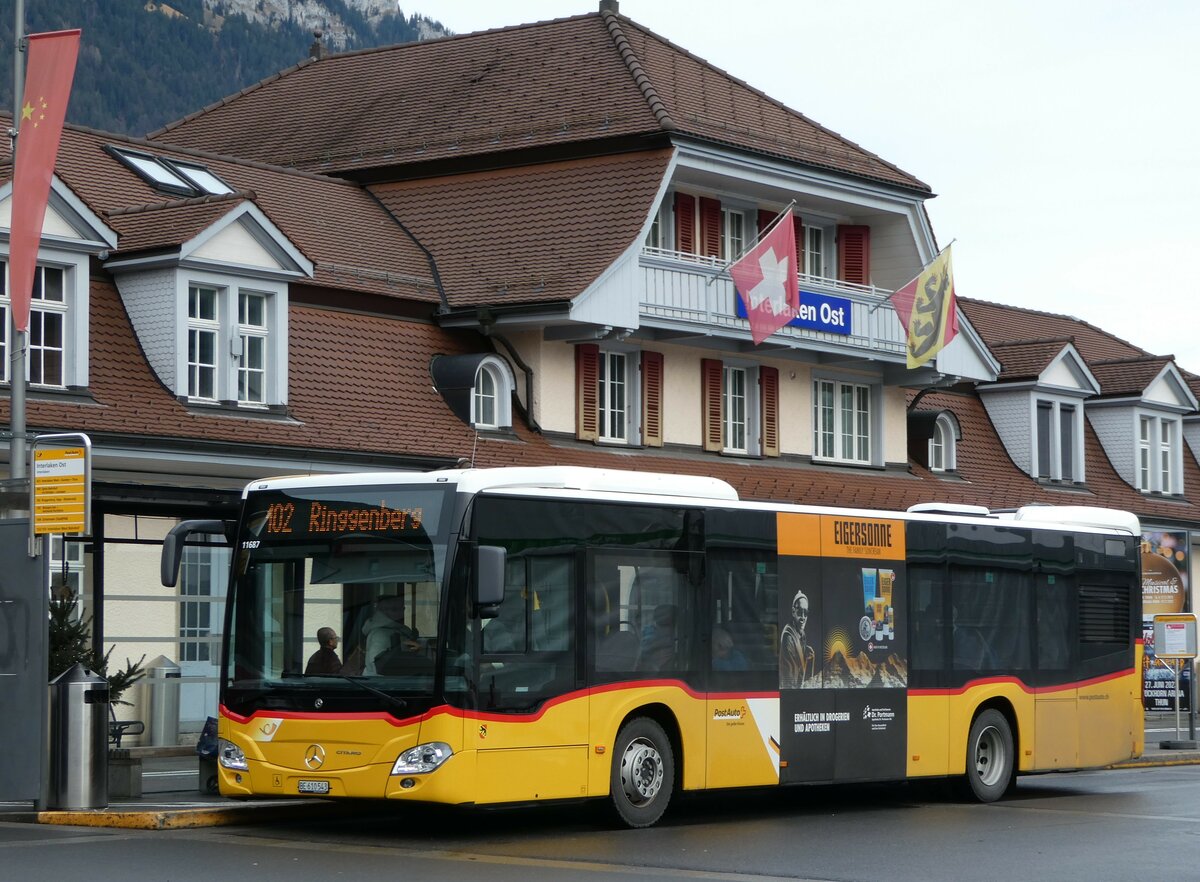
(991,762)
(643,772)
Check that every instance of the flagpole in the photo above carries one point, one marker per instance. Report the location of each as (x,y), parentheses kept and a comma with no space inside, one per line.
(875,306)
(16,370)
(746,248)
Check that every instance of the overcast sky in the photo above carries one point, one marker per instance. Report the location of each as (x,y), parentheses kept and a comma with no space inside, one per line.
(1062,138)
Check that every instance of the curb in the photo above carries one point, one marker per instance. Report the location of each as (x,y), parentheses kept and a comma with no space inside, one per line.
(183,818)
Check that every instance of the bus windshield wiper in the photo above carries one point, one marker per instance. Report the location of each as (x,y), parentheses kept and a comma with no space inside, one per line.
(399,703)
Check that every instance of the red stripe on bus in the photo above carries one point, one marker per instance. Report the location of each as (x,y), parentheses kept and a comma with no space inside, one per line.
(1032,690)
(490,716)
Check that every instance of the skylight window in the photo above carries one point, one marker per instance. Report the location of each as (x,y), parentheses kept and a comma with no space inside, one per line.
(174,176)
(201,178)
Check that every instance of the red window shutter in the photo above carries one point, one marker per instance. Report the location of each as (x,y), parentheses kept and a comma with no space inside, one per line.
(768,383)
(685,223)
(587,392)
(652,391)
(764,219)
(710,227)
(711,374)
(854,254)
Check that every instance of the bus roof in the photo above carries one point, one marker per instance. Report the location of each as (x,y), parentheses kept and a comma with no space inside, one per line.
(598,483)
(534,477)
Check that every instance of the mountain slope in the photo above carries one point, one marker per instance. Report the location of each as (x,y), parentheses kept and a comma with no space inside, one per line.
(144,64)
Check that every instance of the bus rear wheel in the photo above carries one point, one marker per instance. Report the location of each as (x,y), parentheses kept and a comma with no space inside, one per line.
(643,773)
(991,761)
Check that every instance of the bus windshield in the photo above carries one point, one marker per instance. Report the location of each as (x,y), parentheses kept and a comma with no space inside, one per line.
(336,589)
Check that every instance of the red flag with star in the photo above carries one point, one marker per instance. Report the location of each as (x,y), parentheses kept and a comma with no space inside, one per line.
(766,280)
(48,74)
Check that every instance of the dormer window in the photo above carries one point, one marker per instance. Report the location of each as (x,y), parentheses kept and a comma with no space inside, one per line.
(942,452)
(172,175)
(1058,439)
(1159,455)
(48,356)
(229,339)
(491,397)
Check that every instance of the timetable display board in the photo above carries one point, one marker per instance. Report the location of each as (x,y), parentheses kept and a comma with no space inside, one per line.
(61,485)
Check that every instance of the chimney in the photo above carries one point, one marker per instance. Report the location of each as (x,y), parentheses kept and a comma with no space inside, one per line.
(612,6)
(317,50)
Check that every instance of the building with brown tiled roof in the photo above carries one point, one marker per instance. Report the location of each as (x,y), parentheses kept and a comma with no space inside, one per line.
(510,248)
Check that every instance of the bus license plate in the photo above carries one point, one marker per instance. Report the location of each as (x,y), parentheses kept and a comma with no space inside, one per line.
(313,787)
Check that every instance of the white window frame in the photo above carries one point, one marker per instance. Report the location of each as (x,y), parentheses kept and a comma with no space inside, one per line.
(733,233)
(199,328)
(943,451)
(493,370)
(614,396)
(1158,467)
(740,432)
(253,336)
(1056,454)
(233,340)
(72,311)
(816,261)
(861,434)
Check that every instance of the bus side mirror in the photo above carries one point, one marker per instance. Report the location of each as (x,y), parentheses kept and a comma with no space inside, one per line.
(172,550)
(489,580)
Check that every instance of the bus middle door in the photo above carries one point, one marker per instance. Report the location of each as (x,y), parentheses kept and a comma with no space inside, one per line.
(531,746)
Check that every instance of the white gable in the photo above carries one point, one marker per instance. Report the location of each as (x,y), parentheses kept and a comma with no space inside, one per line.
(1068,371)
(1167,389)
(68,220)
(236,244)
(53,225)
(246,237)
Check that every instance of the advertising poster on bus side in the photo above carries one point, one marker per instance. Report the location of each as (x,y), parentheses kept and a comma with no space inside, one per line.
(843,654)
(1164,590)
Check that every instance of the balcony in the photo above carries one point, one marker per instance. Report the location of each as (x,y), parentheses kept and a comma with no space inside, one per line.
(682,296)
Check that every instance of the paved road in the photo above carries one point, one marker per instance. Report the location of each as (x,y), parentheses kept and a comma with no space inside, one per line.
(1123,824)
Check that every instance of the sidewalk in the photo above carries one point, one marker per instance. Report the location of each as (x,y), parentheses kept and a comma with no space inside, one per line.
(171,797)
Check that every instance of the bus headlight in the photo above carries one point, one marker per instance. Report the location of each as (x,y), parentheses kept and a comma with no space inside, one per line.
(422,758)
(230,755)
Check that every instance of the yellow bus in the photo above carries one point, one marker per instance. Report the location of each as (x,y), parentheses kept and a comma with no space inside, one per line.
(521,635)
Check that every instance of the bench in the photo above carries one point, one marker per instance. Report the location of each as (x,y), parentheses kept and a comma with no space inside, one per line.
(118,729)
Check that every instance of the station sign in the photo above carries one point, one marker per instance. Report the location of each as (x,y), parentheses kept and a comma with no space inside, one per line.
(61,491)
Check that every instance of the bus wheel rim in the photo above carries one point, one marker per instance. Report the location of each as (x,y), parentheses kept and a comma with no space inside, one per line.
(989,756)
(641,771)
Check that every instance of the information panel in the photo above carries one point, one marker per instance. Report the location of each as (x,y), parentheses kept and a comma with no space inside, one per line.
(61,489)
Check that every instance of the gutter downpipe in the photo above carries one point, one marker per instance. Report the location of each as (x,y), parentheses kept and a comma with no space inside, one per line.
(486,327)
(437,279)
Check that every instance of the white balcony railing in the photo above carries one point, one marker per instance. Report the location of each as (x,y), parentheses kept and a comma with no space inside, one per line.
(684,290)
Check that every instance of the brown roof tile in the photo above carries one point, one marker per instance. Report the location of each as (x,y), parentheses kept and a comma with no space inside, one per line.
(351,239)
(591,77)
(998,323)
(1026,359)
(533,233)
(1128,376)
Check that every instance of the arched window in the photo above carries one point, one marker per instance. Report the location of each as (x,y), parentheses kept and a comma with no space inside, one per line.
(491,397)
(941,445)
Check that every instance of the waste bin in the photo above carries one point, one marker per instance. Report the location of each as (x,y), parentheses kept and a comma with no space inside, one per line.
(162,687)
(78,741)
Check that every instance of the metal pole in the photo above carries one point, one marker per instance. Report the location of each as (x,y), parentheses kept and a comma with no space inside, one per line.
(17,339)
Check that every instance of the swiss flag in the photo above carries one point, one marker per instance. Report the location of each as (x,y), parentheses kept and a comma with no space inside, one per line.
(48,75)
(766,280)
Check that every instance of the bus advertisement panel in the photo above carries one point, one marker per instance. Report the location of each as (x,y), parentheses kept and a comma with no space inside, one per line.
(843,654)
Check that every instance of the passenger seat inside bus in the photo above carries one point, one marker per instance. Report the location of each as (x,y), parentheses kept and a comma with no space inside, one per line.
(617,651)
(658,651)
